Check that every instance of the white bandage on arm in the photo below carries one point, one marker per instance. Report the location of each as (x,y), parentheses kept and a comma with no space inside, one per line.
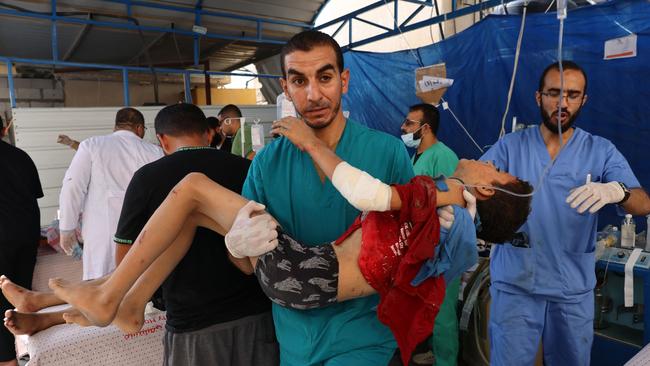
(362,190)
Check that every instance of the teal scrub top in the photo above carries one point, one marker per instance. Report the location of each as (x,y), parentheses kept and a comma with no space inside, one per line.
(313,212)
(437,160)
(559,264)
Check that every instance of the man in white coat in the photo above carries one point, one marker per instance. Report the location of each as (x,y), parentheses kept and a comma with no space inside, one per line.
(94,188)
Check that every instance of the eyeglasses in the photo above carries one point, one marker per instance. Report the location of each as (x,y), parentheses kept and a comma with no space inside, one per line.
(410,122)
(572,96)
(228,121)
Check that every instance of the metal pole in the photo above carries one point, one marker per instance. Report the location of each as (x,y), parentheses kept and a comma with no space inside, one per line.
(197,48)
(125,86)
(185,9)
(188,91)
(55,45)
(10,80)
(350,31)
(130,26)
(396,22)
(130,68)
(208,87)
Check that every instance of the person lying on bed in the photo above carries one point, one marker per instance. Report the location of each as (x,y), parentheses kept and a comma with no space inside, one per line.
(197,201)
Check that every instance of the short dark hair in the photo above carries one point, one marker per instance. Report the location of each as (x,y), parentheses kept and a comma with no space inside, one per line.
(566,65)
(306,41)
(230,108)
(181,119)
(430,115)
(129,116)
(213,122)
(503,214)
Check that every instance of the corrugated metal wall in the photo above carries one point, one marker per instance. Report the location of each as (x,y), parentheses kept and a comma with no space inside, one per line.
(36,131)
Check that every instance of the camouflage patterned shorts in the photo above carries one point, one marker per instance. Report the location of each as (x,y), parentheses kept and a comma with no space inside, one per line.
(297,276)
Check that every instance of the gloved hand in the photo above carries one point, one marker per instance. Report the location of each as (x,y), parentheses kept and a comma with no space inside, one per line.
(471,203)
(77,252)
(252,236)
(68,241)
(446,216)
(594,196)
(446,213)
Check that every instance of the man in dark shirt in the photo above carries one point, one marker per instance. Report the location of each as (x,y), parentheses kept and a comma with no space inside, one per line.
(216,315)
(19,228)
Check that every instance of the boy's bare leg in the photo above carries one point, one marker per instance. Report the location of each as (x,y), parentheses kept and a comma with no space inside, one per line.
(29,301)
(25,300)
(195,193)
(29,323)
(130,314)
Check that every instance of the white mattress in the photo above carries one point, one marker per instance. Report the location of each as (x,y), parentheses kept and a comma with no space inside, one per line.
(65,345)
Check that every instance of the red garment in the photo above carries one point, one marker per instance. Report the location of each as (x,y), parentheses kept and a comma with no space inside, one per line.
(394,247)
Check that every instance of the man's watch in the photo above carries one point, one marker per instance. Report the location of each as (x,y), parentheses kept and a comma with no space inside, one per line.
(626,191)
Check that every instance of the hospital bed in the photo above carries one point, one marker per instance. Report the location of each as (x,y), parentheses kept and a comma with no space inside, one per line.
(65,345)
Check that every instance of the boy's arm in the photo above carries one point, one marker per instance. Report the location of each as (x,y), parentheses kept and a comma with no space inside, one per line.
(348,179)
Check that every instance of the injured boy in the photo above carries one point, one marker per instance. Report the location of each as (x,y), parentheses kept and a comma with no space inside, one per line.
(389,250)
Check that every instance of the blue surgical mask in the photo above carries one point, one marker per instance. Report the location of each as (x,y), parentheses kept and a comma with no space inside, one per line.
(409,141)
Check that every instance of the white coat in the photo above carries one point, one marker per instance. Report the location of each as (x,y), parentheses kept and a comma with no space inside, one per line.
(94,186)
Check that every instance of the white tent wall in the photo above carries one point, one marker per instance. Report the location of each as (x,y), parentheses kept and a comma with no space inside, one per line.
(36,131)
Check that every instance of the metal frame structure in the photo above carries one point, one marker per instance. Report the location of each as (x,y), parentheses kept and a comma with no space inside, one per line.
(404,26)
(199,14)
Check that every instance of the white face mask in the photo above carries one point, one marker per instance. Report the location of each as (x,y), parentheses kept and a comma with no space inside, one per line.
(409,141)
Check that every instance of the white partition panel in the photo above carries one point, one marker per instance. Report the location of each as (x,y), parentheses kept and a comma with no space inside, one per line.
(37,129)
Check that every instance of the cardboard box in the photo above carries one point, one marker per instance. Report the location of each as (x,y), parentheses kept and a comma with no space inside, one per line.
(431,83)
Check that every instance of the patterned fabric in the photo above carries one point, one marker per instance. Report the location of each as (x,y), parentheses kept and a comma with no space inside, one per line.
(69,344)
(296,276)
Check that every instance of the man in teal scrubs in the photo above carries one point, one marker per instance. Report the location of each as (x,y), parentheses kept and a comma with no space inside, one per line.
(310,209)
(433,158)
(419,131)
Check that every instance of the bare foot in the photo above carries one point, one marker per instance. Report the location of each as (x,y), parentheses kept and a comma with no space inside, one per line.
(130,315)
(29,323)
(21,298)
(74,316)
(96,304)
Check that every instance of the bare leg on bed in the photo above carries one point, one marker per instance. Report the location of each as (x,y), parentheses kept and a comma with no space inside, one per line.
(25,300)
(74,316)
(194,194)
(29,323)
